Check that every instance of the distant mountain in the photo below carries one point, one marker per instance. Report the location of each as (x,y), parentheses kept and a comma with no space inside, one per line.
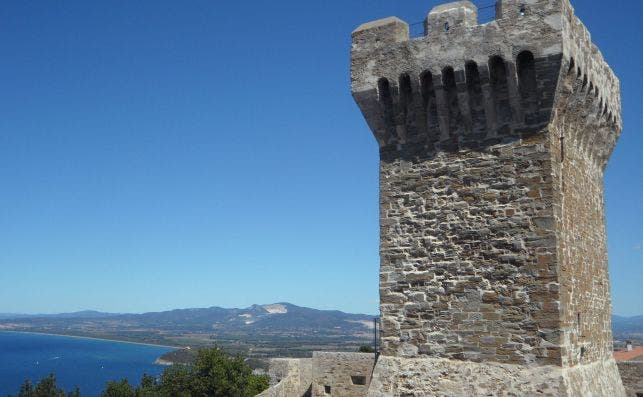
(81,314)
(624,327)
(257,319)
(5,316)
(277,321)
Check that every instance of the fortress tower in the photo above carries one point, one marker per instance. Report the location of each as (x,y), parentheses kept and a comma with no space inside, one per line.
(493,140)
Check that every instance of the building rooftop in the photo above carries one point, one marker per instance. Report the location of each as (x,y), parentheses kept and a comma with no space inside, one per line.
(636,354)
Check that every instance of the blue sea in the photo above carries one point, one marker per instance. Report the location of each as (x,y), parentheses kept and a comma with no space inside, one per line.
(86,363)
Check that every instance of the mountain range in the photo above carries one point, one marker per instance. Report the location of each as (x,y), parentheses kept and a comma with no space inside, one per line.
(281,326)
(627,327)
(80,314)
(272,318)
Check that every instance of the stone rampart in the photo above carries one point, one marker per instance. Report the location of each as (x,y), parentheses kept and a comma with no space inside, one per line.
(632,375)
(289,377)
(342,374)
(337,374)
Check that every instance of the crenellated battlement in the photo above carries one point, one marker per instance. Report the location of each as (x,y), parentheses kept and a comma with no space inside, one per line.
(465,84)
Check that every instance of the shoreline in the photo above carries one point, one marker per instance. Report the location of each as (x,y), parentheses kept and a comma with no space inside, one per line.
(95,338)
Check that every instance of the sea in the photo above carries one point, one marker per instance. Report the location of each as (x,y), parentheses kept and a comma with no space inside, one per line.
(86,363)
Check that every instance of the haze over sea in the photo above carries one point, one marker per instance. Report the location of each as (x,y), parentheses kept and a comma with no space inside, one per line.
(86,363)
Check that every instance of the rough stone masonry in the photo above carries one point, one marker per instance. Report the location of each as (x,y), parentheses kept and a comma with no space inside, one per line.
(493,140)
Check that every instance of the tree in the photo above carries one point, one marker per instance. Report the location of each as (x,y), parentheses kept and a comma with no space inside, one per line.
(366,349)
(147,381)
(45,388)
(218,374)
(257,384)
(176,381)
(213,374)
(75,393)
(26,389)
(119,389)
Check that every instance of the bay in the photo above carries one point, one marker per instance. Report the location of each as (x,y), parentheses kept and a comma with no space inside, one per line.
(86,363)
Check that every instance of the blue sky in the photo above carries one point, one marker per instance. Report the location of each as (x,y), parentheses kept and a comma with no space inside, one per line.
(164,154)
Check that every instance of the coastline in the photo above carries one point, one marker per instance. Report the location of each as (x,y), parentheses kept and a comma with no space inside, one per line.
(164,363)
(94,338)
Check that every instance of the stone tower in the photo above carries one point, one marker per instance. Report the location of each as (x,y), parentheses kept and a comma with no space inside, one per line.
(493,140)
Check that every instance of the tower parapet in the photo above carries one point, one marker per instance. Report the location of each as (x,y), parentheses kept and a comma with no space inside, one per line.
(462,80)
(493,140)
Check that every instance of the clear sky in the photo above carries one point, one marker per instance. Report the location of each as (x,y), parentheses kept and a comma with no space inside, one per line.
(170,154)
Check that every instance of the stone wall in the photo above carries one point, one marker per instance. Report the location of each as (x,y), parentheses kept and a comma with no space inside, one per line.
(579,124)
(493,139)
(326,374)
(466,240)
(289,377)
(341,374)
(632,375)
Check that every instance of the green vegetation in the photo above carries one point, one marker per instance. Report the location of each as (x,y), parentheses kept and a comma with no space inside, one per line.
(214,373)
(366,349)
(45,388)
(180,356)
(121,388)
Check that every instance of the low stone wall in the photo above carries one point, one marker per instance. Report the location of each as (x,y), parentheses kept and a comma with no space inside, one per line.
(289,377)
(326,374)
(632,376)
(342,374)
(352,375)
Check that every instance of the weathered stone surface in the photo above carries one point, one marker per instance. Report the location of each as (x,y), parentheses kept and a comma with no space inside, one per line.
(632,375)
(431,377)
(493,139)
(342,374)
(326,374)
(289,377)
